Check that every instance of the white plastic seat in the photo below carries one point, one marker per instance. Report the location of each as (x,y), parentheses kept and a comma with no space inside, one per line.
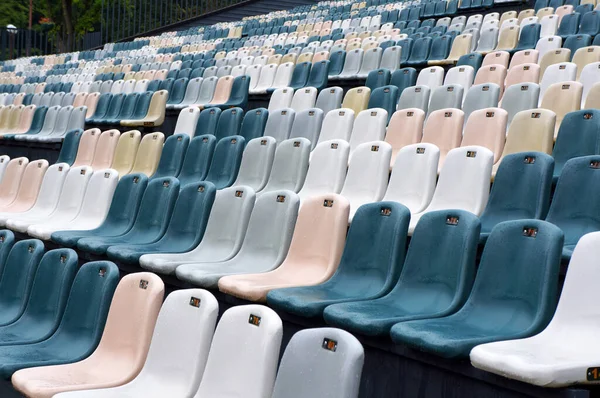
(337,124)
(390,59)
(187,121)
(327,169)
(414,175)
(253,71)
(66,207)
(279,124)
(225,231)
(446,96)
(88,214)
(281,98)
(207,90)
(415,97)
(329,99)
(191,94)
(234,370)
(369,125)
(283,75)
(549,25)
(561,72)
(562,354)
(352,65)
(265,81)
(462,75)
(432,77)
(257,161)
(290,166)
(590,75)
(4,159)
(266,245)
(464,182)
(303,99)
(61,121)
(371,61)
(488,39)
(367,176)
(548,43)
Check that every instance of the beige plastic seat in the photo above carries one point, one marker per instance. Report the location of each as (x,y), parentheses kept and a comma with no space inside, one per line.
(544,12)
(562,11)
(11,121)
(496,58)
(528,13)
(313,256)
(524,57)
(508,38)
(304,57)
(87,147)
(156,112)
(530,130)
(274,59)
(524,73)
(507,15)
(25,120)
(491,74)
(222,91)
(148,154)
(126,151)
(460,46)
(562,98)
(584,56)
(357,99)
(592,101)
(291,57)
(444,129)
(122,350)
(28,188)
(320,56)
(553,57)
(11,180)
(105,150)
(405,128)
(487,128)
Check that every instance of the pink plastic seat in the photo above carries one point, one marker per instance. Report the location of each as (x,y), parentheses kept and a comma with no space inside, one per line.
(105,150)
(87,147)
(12,180)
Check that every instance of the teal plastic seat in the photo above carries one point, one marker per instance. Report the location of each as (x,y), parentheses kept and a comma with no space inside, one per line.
(226,161)
(590,23)
(129,103)
(177,91)
(230,123)
(70,145)
(318,75)
(36,123)
(172,155)
(84,317)
(407,47)
(197,159)
(403,78)
(46,303)
(385,97)
(7,240)
(521,190)
(472,59)
(17,278)
(121,214)
(112,112)
(101,108)
(207,122)
(529,36)
(440,48)
(142,105)
(578,135)
(569,25)
(370,265)
(435,281)
(574,207)
(378,78)
(151,221)
(299,76)
(575,42)
(185,230)
(253,125)
(514,293)
(239,93)
(336,62)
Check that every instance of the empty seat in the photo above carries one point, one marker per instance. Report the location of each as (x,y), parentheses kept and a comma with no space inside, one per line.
(13,178)
(529,174)
(377,253)
(223,235)
(524,73)
(337,124)
(256,164)
(447,96)
(480,96)
(326,216)
(562,98)
(369,125)
(464,182)
(304,99)
(279,125)
(518,98)
(87,147)
(148,154)
(357,99)
(461,75)
(20,187)
(415,97)
(229,123)
(556,73)
(289,165)
(431,77)
(492,74)
(497,58)
(405,128)
(172,155)
(125,340)
(447,241)
(126,151)
(486,128)
(444,129)
(281,98)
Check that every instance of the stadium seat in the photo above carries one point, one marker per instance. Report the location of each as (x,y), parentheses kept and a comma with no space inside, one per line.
(125,152)
(570,209)
(281,98)
(403,78)
(480,96)
(87,147)
(279,124)
(329,99)
(357,99)
(447,241)
(369,125)
(431,77)
(327,169)
(446,96)
(187,121)
(518,98)
(257,160)
(464,183)
(290,165)
(375,246)
(277,205)
(171,158)
(486,128)
(491,74)
(151,221)
(197,159)
(19,195)
(377,78)
(444,129)
(122,349)
(556,73)
(230,123)
(562,98)
(185,230)
(455,335)
(249,374)
(304,99)
(148,154)
(11,180)
(405,128)
(120,216)
(223,236)
(322,374)
(155,115)
(523,73)
(326,216)
(415,97)
(461,75)
(590,75)
(497,58)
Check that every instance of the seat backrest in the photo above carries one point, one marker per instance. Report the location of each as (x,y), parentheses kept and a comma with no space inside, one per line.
(431,77)
(254,123)
(337,124)
(585,56)
(491,74)
(520,97)
(187,121)
(148,154)
(369,125)
(386,98)
(257,160)
(197,159)
(171,158)
(229,123)
(126,151)
(488,39)
(562,98)
(50,120)
(486,128)
(307,124)
(207,122)
(304,99)
(531,130)
(480,96)
(368,171)
(327,169)
(556,73)
(226,161)
(414,175)
(87,147)
(447,96)
(523,73)
(264,332)
(30,183)
(524,57)
(577,136)
(464,181)
(68,151)
(290,165)
(98,195)
(281,98)
(329,99)
(444,129)
(405,128)
(279,124)
(508,38)
(51,187)
(357,99)
(497,58)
